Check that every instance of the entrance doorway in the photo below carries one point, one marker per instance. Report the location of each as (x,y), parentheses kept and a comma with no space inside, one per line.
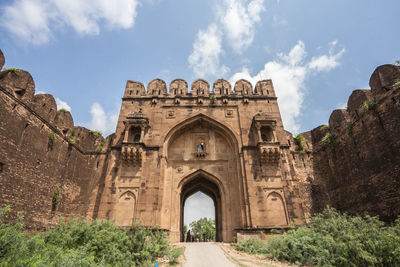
(199,217)
(209,188)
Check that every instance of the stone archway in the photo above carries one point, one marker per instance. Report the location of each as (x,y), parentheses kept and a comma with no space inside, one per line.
(201,154)
(211,189)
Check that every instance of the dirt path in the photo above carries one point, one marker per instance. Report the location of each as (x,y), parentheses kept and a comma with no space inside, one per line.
(243,259)
(205,255)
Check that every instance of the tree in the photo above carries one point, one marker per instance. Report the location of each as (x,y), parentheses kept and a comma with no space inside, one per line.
(203,229)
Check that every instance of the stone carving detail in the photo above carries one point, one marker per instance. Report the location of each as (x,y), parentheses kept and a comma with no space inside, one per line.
(132,155)
(269,153)
(200,151)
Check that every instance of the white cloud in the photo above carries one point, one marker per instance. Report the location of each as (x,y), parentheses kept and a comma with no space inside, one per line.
(288,73)
(327,62)
(239,20)
(204,59)
(62,104)
(236,20)
(102,121)
(35,20)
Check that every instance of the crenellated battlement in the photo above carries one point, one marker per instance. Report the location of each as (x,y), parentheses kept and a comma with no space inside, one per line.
(199,87)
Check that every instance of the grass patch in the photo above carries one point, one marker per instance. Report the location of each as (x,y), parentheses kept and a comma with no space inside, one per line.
(334,239)
(13,70)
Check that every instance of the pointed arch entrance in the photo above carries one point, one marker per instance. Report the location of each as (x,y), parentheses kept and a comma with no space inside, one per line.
(209,185)
(202,154)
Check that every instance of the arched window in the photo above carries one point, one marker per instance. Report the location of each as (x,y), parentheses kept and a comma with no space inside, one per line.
(266,134)
(134,134)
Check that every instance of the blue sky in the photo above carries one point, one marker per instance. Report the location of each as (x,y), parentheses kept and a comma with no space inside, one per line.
(316,52)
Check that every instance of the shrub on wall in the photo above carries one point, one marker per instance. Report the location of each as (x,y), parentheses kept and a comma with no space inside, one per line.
(328,140)
(298,141)
(369,105)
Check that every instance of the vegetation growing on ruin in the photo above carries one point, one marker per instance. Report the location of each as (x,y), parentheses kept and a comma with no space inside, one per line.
(324,127)
(328,140)
(63,110)
(13,70)
(369,104)
(298,141)
(78,242)
(334,239)
(100,147)
(349,129)
(96,132)
(396,85)
(56,196)
(213,98)
(52,138)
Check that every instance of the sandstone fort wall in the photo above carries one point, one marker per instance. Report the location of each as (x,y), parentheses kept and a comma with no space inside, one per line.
(360,172)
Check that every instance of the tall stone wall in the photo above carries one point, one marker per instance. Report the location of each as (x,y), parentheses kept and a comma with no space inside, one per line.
(42,153)
(359,170)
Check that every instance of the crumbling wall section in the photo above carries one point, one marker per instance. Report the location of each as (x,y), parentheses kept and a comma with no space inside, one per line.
(356,159)
(48,167)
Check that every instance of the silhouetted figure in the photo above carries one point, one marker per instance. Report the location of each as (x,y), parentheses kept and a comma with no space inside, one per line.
(188,237)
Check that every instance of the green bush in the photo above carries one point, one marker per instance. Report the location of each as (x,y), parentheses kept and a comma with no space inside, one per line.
(335,239)
(298,141)
(324,127)
(396,85)
(52,138)
(80,243)
(213,98)
(72,140)
(252,246)
(63,110)
(174,255)
(369,105)
(56,196)
(328,140)
(100,147)
(96,132)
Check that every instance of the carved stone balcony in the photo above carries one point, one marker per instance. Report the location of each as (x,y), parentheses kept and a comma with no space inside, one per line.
(131,154)
(269,153)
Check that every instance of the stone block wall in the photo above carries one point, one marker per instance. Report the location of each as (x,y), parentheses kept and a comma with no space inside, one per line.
(360,171)
(42,153)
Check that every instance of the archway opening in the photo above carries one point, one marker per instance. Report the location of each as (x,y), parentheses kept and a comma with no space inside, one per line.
(199,218)
(208,188)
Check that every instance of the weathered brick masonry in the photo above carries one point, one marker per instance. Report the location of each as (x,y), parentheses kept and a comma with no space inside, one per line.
(361,171)
(31,169)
